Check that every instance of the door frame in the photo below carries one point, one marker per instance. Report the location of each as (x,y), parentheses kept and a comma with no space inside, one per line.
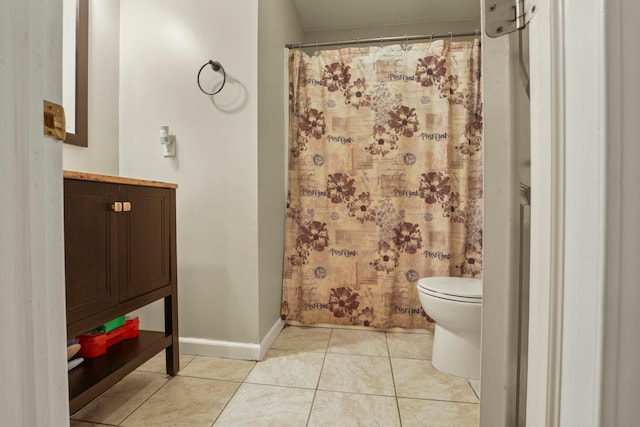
(569,204)
(569,155)
(568,224)
(547,102)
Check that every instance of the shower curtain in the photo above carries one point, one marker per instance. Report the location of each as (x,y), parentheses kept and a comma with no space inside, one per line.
(385,180)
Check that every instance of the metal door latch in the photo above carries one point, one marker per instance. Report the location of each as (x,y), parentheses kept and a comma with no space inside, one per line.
(54,121)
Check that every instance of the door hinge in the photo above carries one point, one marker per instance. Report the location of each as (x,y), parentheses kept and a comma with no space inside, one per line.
(506,16)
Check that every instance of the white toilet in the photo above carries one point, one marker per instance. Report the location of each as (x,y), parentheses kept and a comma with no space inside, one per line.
(455,303)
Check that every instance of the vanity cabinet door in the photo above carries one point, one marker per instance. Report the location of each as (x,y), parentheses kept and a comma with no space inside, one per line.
(144,246)
(91,259)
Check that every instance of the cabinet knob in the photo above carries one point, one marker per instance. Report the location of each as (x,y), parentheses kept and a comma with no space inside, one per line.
(126,206)
(116,206)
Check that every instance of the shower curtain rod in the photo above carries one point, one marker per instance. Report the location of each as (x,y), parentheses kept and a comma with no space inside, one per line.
(383,39)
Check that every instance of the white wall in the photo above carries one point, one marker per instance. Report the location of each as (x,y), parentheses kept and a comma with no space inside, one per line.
(163,43)
(391,30)
(621,342)
(278,24)
(101,156)
(161,46)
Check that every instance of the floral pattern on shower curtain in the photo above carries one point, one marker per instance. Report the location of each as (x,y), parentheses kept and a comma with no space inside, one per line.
(385,180)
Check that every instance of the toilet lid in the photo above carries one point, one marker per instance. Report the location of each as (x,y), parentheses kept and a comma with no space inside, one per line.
(453,286)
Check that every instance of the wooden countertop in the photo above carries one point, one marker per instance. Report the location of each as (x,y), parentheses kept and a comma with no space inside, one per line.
(84,176)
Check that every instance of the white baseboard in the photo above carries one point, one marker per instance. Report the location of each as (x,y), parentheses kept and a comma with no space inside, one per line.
(217,348)
(271,337)
(231,349)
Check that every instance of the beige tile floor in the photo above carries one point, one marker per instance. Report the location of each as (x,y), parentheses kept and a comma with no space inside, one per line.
(310,377)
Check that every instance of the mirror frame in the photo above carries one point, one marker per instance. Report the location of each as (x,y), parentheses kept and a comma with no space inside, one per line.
(80,137)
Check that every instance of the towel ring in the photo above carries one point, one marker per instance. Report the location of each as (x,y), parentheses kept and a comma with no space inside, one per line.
(215,66)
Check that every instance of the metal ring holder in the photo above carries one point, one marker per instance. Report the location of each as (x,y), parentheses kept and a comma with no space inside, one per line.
(215,66)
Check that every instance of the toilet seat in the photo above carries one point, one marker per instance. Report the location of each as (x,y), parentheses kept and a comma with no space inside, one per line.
(459,289)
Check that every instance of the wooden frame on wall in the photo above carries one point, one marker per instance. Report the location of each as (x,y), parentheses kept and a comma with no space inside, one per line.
(80,137)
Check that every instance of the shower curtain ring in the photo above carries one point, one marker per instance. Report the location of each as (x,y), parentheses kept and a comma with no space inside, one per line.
(431,39)
(381,41)
(358,41)
(316,52)
(450,36)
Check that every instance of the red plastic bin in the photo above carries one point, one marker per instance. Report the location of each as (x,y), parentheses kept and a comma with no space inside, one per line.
(97,345)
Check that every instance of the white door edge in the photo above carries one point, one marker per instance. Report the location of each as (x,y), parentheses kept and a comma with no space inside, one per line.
(547,214)
(33,390)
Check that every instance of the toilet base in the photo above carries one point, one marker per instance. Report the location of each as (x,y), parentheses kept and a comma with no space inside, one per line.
(456,352)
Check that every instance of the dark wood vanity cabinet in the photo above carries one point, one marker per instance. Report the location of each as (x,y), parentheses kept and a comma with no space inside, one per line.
(120,255)
(91,249)
(144,245)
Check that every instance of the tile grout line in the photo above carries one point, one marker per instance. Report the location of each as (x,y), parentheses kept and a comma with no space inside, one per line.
(147,399)
(243,382)
(279,386)
(315,392)
(474,390)
(462,402)
(226,404)
(393,378)
(184,376)
(357,393)
(442,399)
